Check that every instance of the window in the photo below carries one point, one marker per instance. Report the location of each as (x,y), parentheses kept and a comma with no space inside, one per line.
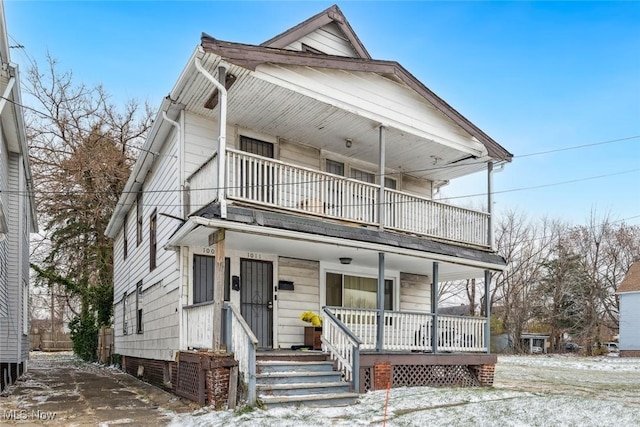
(334,167)
(257,178)
(363,176)
(139,219)
(124,314)
(125,249)
(203,278)
(153,242)
(139,328)
(357,292)
(255,146)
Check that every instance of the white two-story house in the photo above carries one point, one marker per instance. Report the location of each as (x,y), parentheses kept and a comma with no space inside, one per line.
(299,175)
(17,220)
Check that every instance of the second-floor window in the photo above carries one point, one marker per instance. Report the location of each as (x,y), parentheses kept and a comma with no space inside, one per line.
(153,239)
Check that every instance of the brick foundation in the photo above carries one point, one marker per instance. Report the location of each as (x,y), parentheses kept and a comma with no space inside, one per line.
(217,380)
(214,370)
(629,353)
(382,376)
(484,374)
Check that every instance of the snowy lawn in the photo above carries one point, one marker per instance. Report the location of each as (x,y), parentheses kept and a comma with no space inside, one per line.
(528,391)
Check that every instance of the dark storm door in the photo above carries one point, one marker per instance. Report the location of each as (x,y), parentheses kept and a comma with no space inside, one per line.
(256,299)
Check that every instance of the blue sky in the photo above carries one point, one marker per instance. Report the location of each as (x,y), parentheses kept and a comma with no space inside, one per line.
(535,76)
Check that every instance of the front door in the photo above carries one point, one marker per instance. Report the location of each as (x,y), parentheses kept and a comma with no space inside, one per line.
(256,299)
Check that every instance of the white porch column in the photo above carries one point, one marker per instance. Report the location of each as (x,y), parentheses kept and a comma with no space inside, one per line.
(434,308)
(381,163)
(218,288)
(490,204)
(380,315)
(487,310)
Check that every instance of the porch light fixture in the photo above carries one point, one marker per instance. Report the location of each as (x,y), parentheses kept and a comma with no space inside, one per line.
(345,260)
(348,142)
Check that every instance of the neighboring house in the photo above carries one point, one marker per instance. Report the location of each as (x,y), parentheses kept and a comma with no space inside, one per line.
(305,182)
(629,303)
(17,221)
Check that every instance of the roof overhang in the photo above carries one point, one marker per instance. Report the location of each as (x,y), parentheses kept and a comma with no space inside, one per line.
(321,237)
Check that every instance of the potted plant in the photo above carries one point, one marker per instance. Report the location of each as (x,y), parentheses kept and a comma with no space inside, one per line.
(312,333)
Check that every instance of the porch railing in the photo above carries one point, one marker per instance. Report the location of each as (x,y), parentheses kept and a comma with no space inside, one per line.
(243,344)
(411,331)
(263,181)
(197,325)
(343,347)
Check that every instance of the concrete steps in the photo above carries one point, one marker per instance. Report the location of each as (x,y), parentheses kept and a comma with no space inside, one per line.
(304,380)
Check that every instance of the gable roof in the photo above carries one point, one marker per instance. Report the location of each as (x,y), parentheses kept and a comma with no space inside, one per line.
(327,16)
(631,282)
(250,57)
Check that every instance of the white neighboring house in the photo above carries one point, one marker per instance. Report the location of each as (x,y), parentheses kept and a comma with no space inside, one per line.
(629,320)
(17,220)
(305,180)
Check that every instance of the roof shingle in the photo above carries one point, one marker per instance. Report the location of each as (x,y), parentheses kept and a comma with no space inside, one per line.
(631,282)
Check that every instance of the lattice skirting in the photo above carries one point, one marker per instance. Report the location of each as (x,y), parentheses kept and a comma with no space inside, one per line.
(426,375)
(191,381)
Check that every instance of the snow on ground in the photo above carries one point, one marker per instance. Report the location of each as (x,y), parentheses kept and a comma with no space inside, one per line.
(528,391)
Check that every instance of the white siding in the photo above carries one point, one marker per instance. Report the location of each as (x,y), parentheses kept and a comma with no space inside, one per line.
(12,344)
(630,321)
(299,155)
(328,39)
(415,292)
(305,275)
(4,245)
(160,336)
(421,187)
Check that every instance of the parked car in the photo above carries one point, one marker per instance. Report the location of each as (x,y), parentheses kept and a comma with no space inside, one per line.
(612,347)
(572,347)
(536,349)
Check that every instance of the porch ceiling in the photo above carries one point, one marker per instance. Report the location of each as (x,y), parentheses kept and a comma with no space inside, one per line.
(331,253)
(247,235)
(264,106)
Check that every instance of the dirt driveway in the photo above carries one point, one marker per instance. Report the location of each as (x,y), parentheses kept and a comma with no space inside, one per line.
(59,390)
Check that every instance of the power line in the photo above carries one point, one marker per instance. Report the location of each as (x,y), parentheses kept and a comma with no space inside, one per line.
(544,185)
(575,147)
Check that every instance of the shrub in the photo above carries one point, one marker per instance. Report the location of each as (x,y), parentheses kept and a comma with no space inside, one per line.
(84,334)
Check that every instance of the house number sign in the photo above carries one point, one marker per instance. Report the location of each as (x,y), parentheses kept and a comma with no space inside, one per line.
(254,255)
(207,251)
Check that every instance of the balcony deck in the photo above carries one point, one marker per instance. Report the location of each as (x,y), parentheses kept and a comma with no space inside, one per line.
(266,182)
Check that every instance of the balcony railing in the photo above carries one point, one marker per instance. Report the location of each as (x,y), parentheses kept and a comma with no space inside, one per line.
(411,331)
(263,181)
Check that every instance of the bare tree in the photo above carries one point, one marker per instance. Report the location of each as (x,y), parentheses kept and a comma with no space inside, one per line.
(607,249)
(525,245)
(82,148)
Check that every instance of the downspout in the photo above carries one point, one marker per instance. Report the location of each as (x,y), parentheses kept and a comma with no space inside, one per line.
(222,138)
(490,205)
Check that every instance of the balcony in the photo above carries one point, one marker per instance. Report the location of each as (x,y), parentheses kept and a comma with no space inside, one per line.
(262,181)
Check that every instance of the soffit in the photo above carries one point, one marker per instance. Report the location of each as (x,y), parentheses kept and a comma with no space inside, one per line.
(266,107)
